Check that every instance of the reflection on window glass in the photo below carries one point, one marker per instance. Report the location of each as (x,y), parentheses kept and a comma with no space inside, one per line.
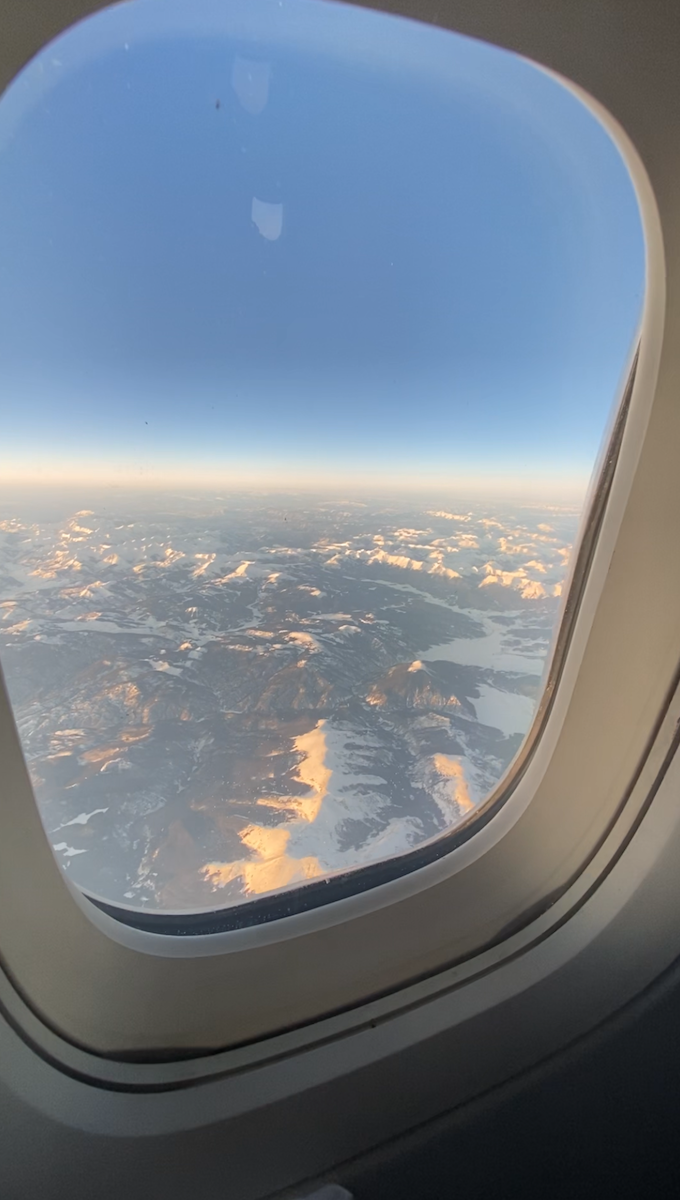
(311,322)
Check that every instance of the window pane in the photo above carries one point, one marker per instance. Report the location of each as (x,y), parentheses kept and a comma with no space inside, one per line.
(312,321)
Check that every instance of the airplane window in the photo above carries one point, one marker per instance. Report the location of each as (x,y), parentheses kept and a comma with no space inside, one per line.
(312,324)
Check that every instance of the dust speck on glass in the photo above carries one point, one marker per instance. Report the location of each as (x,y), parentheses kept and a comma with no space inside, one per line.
(311,324)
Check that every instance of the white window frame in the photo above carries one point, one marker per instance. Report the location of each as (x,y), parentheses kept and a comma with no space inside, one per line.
(547,918)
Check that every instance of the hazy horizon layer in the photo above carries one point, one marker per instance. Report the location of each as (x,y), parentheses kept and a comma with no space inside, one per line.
(149,491)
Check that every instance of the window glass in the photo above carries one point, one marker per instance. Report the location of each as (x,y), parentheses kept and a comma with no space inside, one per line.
(311,324)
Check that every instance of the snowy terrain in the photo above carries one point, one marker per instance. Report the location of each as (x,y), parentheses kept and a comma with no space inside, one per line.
(222,696)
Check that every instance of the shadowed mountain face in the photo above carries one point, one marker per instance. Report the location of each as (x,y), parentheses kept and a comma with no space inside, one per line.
(222,697)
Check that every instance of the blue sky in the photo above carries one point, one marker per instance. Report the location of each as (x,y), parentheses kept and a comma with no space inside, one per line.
(301,241)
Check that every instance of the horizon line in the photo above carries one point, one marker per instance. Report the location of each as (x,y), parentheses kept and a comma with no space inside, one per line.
(111,477)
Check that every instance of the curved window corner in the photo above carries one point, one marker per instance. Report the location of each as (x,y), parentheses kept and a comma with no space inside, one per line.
(312,327)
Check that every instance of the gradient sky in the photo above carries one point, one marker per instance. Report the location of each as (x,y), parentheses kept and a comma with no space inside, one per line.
(274,238)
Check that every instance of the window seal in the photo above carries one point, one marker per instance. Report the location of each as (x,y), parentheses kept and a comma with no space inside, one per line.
(336,958)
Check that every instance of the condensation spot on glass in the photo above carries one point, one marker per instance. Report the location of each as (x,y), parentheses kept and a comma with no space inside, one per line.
(313,321)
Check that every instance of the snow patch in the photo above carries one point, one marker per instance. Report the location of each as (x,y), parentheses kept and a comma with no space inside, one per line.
(83,818)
